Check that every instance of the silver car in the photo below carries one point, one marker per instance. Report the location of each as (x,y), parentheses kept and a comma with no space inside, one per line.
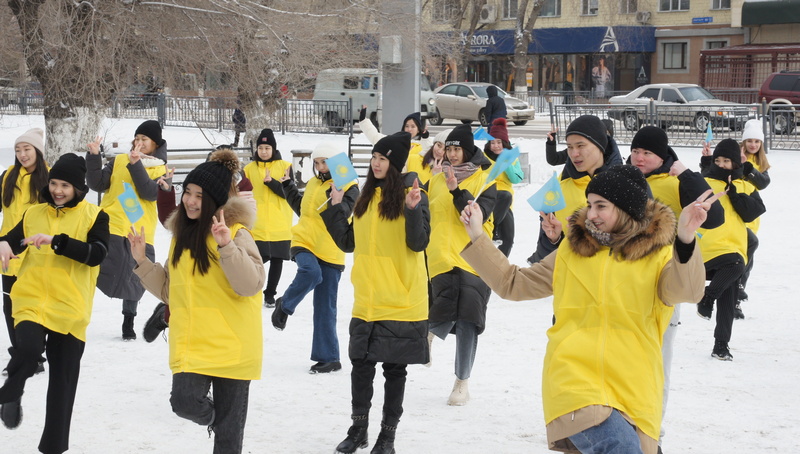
(465,101)
(678,104)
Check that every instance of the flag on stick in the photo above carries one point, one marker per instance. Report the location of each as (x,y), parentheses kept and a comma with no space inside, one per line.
(549,198)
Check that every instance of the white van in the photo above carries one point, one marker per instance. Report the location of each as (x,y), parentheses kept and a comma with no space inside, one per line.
(362,84)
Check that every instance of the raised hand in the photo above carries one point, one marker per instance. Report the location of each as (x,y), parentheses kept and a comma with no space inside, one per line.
(472,217)
(137,241)
(220,231)
(437,166)
(94,147)
(452,182)
(551,225)
(6,254)
(287,174)
(38,240)
(553,133)
(414,196)
(162,180)
(707,149)
(136,153)
(336,195)
(267,176)
(695,214)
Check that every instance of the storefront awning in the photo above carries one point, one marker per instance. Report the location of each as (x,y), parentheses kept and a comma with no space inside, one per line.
(771,12)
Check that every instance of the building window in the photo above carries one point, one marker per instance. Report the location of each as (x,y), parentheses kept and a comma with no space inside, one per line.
(673,5)
(445,10)
(628,6)
(674,55)
(509,9)
(589,7)
(716,44)
(720,4)
(551,8)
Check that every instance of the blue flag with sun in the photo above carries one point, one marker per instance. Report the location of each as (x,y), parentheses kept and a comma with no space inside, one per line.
(549,198)
(481,134)
(130,203)
(342,170)
(504,159)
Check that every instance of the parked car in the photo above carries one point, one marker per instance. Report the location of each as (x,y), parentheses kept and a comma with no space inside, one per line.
(781,90)
(139,96)
(465,101)
(684,104)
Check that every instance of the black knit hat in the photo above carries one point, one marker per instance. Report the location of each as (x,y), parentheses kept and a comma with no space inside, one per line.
(72,169)
(151,129)
(624,186)
(729,148)
(461,136)
(417,118)
(267,137)
(592,128)
(214,177)
(395,147)
(652,139)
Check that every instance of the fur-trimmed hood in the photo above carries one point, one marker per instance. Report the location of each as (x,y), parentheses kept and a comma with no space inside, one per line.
(237,210)
(656,230)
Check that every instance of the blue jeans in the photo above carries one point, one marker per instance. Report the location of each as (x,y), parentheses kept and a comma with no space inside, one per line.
(615,435)
(466,344)
(312,274)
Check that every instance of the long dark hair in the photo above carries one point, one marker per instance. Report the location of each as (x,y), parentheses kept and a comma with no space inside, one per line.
(192,235)
(392,200)
(39,179)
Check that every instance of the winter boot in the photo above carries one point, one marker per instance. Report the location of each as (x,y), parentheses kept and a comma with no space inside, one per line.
(155,324)
(430,349)
(460,394)
(742,293)
(705,308)
(737,311)
(11,414)
(128,334)
(279,317)
(721,351)
(385,442)
(356,436)
(325,368)
(269,299)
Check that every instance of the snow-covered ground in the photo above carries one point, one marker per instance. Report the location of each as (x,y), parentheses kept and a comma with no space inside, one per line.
(749,405)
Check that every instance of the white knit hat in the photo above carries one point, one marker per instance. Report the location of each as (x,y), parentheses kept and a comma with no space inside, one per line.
(324,150)
(753,130)
(34,137)
(442,136)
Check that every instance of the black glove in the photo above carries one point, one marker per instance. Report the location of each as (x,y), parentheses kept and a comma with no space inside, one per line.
(747,168)
(425,134)
(731,189)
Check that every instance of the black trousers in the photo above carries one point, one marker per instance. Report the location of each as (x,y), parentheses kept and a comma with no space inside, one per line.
(504,221)
(752,245)
(361,382)
(8,282)
(724,273)
(64,353)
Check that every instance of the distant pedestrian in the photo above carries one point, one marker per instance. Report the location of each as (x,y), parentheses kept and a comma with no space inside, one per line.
(239,124)
(495,107)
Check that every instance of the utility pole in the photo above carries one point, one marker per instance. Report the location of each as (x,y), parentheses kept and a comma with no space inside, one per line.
(400,66)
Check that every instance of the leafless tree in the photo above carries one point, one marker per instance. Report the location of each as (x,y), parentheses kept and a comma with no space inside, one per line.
(527,13)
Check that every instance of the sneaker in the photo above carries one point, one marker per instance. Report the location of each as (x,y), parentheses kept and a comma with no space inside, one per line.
(278,316)
(705,308)
(325,368)
(737,312)
(721,351)
(155,324)
(11,414)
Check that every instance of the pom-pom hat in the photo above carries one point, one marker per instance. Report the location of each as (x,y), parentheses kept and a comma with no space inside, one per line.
(214,177)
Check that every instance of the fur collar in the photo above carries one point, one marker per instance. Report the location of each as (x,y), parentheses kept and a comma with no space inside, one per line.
(655,231)
(237,210)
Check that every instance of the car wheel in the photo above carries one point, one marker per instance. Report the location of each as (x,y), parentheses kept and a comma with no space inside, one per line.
(466,122)
(333,122)
(521,123)
(482,118)
(783,123)
(631,121)
(435,118)
(701,121)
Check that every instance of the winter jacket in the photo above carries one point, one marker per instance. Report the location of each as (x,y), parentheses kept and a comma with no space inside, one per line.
(495,106)
(215,318)
(56,283)
(419,145)
(740,207)
(141,176)
(12,214)
(752,174)
(390,307)
(275,217)
(166,201)
(611,306)
(310,233)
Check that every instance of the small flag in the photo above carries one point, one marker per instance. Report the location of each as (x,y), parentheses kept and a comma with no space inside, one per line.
(481,134)
(130,203)
(549,198)
(709,135)
(342,170)
(504,159)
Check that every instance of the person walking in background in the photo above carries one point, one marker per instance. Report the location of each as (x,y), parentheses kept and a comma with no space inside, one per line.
(211,281)
(319,261)
(503,215)
(53,295)
(389,230)
(495,107)
(140,168)
(20,188)
(459,297)
(725,248)
(239,123)
(613,284)
(755,171)
(273,229)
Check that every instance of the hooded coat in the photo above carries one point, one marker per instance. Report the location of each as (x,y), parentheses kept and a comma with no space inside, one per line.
(495,106)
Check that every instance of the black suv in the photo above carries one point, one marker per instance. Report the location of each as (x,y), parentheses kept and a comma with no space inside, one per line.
(782,92)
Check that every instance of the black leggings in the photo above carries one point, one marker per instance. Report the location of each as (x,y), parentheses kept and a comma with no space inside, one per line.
(724,273)
(361,382)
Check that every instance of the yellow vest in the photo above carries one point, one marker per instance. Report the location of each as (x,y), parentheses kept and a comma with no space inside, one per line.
(448,236)
(118,222)
(12,214)
(52,290)
(612,360)
(756,224)
(575,197)
(666,189)
(414,164)
(212,330)
(731,236)
(310,231)
(389,279)
(274,215)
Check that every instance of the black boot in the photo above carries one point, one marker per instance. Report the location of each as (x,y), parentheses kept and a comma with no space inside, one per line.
(155,324)
(128,334)
(11,414)
(385,442)
(705,308)
(269,299)
(356,436)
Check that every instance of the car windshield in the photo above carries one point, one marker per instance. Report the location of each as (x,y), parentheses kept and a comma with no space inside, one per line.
(696,94)
(480,90)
